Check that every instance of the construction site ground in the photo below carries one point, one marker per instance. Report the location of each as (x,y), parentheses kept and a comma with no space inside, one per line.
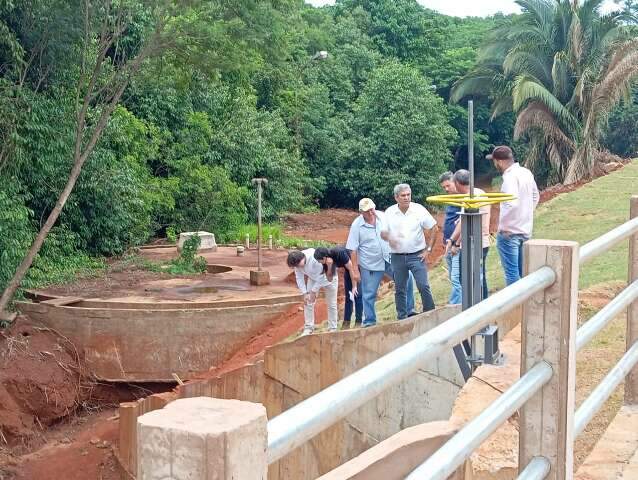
(72,433)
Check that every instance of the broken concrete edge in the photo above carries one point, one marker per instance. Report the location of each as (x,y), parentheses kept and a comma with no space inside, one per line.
(8,317)
(50,299)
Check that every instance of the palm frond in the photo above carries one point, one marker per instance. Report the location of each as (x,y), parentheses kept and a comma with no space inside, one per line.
(537,116)
(615,84)
(561,76)
(518,62)
(527,89)
(478,84)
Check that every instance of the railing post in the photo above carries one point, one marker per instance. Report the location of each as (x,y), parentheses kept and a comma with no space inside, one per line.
(631,383)
(548,333)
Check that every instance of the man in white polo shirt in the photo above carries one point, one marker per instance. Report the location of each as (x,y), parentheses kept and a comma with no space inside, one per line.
(516,218)
(406,224)
(372,255)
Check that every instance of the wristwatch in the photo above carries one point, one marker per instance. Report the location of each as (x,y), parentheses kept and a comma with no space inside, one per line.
(429,249)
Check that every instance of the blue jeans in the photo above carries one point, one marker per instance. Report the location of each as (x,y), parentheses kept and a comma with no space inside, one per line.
(510,249)
(402,266)
(370,281)
(358,302)
(454,274)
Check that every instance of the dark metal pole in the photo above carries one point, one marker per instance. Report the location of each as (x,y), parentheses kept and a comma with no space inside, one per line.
(470,143)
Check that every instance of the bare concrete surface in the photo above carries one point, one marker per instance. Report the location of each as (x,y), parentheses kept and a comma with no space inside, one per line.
(497,457)
(396,457)
(203,439)
(615,456)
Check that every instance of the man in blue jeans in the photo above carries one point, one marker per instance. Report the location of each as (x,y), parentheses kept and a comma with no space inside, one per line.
(407,223)
(452,255)
(516,218)
(372,255)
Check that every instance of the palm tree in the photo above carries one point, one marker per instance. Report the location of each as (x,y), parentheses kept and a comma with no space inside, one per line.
(561,67)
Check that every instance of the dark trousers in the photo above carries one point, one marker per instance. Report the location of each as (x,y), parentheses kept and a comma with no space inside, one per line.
(402,266)
(358,301)
(486,292)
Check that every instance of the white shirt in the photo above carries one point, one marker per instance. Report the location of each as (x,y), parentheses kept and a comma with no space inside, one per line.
(313,269)
(365,239)
(406,229)
(517,216)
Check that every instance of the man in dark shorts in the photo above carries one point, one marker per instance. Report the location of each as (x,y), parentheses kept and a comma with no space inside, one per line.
(333,258)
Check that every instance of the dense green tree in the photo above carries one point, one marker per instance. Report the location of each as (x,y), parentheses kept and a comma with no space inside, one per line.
(621,134)
(400,134)
(561,67)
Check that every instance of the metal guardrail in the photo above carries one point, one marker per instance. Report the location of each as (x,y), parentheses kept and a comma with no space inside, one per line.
(608,240)
(450,456)
(537,469)
(302,422)
(605,388)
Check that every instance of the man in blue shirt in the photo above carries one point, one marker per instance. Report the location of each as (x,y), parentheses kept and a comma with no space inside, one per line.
(372,256)
(453,255)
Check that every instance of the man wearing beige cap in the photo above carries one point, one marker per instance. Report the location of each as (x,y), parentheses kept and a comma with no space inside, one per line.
(372,254)
(516,218)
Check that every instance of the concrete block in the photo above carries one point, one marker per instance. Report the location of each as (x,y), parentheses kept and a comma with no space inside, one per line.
(207,241)
(203,438)
(259,277)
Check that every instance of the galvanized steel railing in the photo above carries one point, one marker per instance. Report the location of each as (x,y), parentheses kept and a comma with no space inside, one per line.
(302,422)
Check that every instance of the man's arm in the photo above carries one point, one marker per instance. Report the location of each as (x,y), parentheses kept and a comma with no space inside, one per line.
(430,239)
(508,209)
(354,270)
(301,280)
(535,194)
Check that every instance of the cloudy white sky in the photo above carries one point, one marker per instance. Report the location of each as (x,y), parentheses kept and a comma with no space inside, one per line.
(463,8)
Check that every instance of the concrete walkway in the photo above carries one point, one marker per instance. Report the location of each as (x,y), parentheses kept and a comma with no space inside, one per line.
(615,456)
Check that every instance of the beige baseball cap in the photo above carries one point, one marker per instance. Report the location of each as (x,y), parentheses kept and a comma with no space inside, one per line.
(366,204)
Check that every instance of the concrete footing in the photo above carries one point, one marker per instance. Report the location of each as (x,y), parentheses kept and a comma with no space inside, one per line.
(208,242)
(203,438)
(259,277)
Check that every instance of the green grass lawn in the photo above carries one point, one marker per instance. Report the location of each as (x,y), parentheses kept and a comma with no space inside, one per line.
(581,215)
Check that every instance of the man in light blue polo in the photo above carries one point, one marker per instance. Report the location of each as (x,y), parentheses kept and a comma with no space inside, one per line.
(372,254)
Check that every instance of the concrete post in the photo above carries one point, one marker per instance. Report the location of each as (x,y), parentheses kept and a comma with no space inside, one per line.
(203,438)
(270,242)
(631,382)
(548,333)
(247,241)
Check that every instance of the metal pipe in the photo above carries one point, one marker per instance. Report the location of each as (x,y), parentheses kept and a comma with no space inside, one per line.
(450,456)
(300,423)
(470,143)
(595,324)
(602,392)
(608,240)
(537,469)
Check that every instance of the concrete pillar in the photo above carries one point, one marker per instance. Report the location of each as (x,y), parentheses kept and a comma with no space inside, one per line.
(631,382)
(203,438)
(548,333)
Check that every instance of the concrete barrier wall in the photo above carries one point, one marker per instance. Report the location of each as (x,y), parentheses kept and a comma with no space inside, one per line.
(296,370)
(150,344)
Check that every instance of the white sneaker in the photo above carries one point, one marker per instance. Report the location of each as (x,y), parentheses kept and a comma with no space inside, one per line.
(307,331)
(333,329)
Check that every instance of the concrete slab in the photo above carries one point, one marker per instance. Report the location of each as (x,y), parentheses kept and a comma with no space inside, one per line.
(207,241)
(203,439)
(615,456)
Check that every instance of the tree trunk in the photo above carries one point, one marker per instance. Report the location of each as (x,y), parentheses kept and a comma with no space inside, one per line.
(15,282)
